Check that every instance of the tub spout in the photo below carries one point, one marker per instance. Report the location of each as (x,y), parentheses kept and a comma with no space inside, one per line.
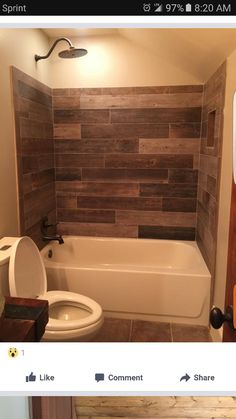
(57,238)
(45,236)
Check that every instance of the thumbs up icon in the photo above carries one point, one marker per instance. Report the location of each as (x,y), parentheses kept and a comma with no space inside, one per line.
(30,377)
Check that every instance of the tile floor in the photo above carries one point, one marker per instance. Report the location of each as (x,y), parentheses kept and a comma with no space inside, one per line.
(122,330)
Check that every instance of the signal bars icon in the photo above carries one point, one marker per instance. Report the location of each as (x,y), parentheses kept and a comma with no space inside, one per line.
(158,8)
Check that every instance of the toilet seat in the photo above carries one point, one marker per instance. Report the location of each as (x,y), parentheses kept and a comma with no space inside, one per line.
(27,279)
(76,300)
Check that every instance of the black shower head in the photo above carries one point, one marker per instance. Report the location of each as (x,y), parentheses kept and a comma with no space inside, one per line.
(71,52)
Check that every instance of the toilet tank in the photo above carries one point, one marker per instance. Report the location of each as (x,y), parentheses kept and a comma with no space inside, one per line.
(5,251)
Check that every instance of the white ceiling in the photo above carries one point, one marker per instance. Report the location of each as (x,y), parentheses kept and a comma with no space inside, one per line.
(198,51)
(70,32)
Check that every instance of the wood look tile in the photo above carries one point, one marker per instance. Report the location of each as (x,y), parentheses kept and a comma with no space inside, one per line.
(155,218)
(99,188)
(27,183)
(156,115)
(33,94)
(45,161)
(202,214)
(209,165)
(68,174)
(167,233)
(125,159)
(186,88)
(181,130)
(181,190)
(139,90)
(85,216)
(207,248)
(125,175)
(202,180)
(157,100)
(35,153)
(183,176)
(168,146)
(61,92)
(37,163)
(69,131)
(179,204)
(151,161)
(34,110)
(208,202)
(87,91)
(66,102)
(34,232)
(147,204)
(211,185)
(39,197)
(35,146)
(68,200)
(18,75)
(42,178)
(127,130)
(40,202)
(209,169)
(97,229)
(99,145)
(30,128)
(71,116)
(79,160)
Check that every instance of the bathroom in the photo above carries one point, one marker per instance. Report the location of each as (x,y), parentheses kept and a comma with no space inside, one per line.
(129,150)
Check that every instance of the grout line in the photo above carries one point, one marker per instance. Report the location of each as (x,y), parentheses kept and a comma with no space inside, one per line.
(131,330)
(171,333)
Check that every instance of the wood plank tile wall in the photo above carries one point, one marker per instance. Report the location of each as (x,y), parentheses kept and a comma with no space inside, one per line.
(127,160)
(35,153)
(155,407)
(210,165)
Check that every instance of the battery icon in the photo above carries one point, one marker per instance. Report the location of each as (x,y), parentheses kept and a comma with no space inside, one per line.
(188,7)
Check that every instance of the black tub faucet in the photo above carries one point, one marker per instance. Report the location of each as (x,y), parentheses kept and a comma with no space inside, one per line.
(45,236)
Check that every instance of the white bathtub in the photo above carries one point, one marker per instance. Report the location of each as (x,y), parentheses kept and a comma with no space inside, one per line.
(162,280)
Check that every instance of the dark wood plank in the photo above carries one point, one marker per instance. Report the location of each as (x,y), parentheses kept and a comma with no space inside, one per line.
(167,233)
(114,202)
(149,161)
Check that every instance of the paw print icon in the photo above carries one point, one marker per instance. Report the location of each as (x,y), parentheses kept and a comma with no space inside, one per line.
(146,7)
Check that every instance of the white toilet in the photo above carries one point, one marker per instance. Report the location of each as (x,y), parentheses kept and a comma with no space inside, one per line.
(72,317)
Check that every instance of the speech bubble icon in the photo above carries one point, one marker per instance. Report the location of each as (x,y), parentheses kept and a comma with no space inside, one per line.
(99,377)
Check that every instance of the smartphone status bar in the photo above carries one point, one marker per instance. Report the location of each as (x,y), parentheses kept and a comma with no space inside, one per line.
(131,8)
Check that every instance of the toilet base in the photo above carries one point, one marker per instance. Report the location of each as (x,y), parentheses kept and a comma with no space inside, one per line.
(81,335)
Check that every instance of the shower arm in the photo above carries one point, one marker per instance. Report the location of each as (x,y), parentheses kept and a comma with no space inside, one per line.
(43,57)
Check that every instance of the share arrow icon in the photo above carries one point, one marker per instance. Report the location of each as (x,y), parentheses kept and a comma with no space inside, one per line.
(185,377)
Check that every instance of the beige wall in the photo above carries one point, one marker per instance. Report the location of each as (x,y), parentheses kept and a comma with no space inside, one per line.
(114,61)
(17,47)
(225,185)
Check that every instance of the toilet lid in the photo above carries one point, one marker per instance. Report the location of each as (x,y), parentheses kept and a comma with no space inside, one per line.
(27,274)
